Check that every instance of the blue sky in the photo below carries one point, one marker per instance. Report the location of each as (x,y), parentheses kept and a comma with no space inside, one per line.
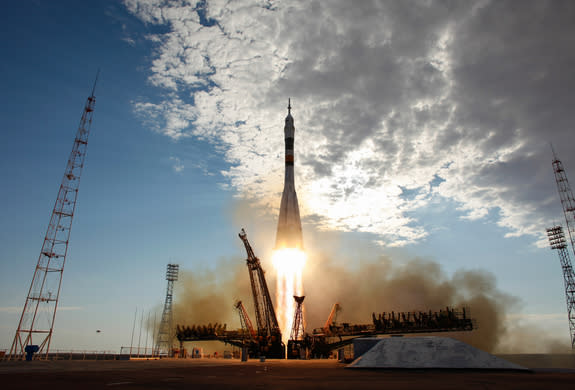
(420,132)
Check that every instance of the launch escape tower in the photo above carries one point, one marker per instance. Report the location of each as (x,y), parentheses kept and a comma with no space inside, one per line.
(268,330)
(36,325)
(557,240)
(164,340)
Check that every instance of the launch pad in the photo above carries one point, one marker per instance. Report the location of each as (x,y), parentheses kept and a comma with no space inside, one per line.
(266,339)
(272,374)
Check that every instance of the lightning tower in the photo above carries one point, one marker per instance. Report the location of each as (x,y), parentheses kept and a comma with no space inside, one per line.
(36,323)
(165,337)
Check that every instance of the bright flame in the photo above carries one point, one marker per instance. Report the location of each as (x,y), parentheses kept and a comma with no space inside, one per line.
(289,265)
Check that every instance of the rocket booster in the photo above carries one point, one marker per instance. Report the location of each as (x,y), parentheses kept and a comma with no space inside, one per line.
(289,233)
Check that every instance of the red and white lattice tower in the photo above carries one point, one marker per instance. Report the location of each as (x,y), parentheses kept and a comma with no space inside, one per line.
(37,320)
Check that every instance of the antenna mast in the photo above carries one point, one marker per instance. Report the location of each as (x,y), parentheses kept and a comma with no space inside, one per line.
(36,323)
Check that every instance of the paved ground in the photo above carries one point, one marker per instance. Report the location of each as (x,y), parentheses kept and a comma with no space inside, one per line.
(233,374)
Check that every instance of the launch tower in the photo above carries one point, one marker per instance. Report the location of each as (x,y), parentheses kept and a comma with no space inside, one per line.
(36,325)
(268,330)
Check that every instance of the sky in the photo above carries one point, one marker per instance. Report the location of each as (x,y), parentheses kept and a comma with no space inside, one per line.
(422,131)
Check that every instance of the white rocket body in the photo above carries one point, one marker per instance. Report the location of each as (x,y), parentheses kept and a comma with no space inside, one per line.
(289,233)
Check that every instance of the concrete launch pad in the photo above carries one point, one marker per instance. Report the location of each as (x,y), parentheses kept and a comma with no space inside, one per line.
(425,353)
(253,374)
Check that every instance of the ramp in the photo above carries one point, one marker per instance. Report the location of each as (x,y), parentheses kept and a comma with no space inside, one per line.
(428,352)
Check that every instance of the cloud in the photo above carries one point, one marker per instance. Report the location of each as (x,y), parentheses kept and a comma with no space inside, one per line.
(178,165)
(442,100)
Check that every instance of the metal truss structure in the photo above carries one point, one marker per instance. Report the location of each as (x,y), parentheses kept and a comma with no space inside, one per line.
(557,242)
(165,338)
(36,325)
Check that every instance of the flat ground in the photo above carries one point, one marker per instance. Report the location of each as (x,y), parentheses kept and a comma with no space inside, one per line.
(234,374)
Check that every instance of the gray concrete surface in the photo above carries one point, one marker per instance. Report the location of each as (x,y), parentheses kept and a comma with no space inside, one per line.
(429,352)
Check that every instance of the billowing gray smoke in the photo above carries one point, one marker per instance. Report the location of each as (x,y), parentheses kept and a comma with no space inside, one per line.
(415,285)
(362,286)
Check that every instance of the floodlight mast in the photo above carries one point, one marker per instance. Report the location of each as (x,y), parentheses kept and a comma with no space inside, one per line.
(557,242)
(165,338)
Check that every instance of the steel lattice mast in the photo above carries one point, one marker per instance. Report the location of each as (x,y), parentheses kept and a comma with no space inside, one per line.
(37,320)
(557,241)
(297,329)
(164,341)
(567,200)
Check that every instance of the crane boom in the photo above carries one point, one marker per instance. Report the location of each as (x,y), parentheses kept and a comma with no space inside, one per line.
(247,326)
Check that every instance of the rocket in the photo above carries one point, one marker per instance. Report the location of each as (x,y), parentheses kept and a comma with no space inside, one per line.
(289,234)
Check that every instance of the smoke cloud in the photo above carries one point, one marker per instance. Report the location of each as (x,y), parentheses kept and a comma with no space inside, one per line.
(362,280)
(417,284)
(202,296)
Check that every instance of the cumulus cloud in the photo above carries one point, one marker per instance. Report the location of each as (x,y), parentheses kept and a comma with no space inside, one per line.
(437,100)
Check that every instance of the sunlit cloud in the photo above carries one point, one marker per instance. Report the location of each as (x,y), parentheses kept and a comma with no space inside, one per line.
(397,105)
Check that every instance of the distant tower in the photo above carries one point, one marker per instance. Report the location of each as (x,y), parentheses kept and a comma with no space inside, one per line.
(37,320)
(557,241)
(289,233)
(567,200)
(164,340)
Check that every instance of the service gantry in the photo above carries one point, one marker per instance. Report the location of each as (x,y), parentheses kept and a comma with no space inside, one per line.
(165,338)
(36,325)
(267,324)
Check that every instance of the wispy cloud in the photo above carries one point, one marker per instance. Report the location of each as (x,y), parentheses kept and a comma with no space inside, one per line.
(387,97)
(177,166)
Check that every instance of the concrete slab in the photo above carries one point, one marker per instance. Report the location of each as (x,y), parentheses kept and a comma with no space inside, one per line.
(429,352)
